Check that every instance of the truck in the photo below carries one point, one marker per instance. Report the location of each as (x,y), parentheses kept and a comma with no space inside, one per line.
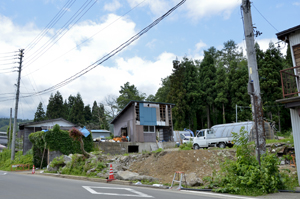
(207,138)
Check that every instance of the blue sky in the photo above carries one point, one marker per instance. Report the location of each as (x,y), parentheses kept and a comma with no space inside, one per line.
(192,28)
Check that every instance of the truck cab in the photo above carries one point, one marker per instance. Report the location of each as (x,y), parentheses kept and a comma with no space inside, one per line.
(206,138)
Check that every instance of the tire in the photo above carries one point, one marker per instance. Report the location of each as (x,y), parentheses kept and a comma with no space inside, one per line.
(196,146)
(222,145)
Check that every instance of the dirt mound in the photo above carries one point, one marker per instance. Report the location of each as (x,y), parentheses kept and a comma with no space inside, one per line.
(164,164)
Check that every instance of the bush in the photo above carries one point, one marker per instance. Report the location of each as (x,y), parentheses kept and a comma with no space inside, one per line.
(6,162)
(186,146)
(245,176)
(56,140)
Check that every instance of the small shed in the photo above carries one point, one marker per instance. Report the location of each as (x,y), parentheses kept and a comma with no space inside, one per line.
(26,128)
(100,133)
(3,138)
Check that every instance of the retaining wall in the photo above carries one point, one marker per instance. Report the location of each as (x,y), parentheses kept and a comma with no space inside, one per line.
(126,147)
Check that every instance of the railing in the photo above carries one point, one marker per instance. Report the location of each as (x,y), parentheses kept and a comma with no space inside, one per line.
(290,82)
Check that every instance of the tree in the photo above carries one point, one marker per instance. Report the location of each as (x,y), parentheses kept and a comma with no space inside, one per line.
(55,107)
(127,93)
(111,103)
(208,80)
(221,89)
(177,95)
(163,92)
(87,114)
(76,114)
(40,113)
(99,116)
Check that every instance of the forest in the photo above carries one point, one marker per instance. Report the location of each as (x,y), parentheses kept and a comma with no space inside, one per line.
(205,92)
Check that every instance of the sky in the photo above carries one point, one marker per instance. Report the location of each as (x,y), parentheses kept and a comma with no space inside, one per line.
(62,37)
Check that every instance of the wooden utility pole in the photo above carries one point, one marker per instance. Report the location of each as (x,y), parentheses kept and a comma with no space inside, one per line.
(16,107)
(256,101)
(9,135)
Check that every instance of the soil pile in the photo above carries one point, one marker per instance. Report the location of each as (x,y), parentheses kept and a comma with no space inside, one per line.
(163,165)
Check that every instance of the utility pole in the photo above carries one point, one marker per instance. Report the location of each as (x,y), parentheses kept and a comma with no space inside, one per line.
(16,107)
(256,101)
(9,135)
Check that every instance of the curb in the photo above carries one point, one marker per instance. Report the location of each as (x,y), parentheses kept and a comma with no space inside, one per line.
(120,182)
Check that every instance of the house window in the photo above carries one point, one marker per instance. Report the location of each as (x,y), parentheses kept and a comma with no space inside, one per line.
(149,129)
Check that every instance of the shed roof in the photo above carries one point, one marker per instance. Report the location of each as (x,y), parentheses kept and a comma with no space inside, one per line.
(47,121)
(284,35)
(133,101)
(100,131)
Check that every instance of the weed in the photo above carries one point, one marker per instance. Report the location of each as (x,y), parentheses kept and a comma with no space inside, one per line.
(186,146)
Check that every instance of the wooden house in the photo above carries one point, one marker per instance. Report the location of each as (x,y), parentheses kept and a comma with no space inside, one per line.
(145,122)
(290,79)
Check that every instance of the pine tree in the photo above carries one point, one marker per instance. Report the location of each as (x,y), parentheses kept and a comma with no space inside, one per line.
(55,107)
(222,90)
(177,95)
(87,114)
(208,81)
(127,93)
(77,111)
(40,113)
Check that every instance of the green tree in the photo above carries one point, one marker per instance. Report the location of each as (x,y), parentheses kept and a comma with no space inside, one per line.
(99,117)
(55,107)
(40,114)
(127,93)
(177,95)
(163,92)
(87,114)
(77,111)
(208,80)
(221,88)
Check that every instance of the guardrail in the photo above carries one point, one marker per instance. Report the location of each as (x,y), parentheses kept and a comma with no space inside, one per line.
(20,167)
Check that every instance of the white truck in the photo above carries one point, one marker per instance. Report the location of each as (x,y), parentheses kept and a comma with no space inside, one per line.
(207,138)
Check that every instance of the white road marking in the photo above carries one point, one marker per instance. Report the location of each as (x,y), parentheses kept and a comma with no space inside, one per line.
(3,174)
(91,189)
(218,194)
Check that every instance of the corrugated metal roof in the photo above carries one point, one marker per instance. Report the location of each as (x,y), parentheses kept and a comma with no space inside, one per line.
(100,131)
(282,35)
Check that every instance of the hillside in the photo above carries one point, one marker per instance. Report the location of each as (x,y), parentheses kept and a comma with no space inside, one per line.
(4,123)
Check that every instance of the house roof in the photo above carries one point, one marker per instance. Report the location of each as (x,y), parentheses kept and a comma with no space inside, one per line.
(100,131)
(284,35)
(47,121)
(134,101)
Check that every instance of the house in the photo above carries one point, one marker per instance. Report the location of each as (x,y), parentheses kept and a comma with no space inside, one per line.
(145,121)
(100,133)
(3,138)
(290,79)
(26,128)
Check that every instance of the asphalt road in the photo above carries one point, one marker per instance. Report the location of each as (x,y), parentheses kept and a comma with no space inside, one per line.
(25,186)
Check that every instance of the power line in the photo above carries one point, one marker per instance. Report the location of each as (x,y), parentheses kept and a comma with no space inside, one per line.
(54,20)
(264,17)
(8,52)
(54,39)
(87,38)
(108,56)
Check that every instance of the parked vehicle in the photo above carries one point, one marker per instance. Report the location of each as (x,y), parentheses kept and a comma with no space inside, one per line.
(207,138)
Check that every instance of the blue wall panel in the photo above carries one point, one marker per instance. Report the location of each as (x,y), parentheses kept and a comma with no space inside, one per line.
(147,115)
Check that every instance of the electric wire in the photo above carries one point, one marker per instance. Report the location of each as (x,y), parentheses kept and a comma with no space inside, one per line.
(106,57)
(8,52)
(86,39)
(264,17)
(61,33)
(54,20)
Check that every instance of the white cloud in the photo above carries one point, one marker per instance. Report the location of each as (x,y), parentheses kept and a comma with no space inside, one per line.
(95,85)
(112,6)
(205,9)
(200,45)
(151,44)
(296,3)
(264,45)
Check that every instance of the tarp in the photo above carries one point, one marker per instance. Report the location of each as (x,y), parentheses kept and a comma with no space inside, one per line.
(84,131)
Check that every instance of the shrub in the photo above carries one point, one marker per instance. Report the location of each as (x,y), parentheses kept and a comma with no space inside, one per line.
(245,176)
